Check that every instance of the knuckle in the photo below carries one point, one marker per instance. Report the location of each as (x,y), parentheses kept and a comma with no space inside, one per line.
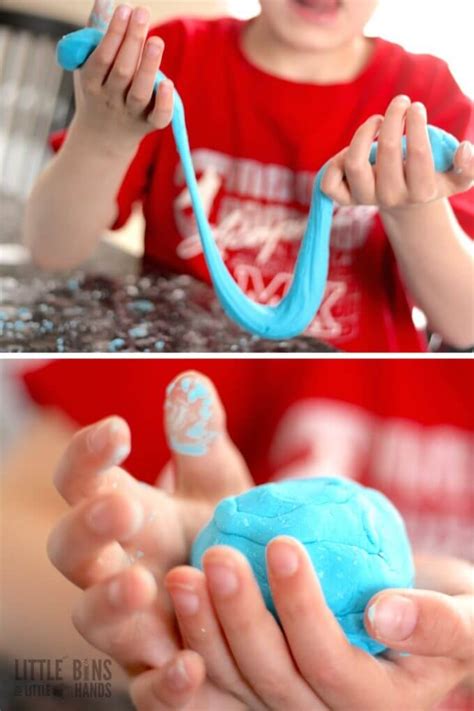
(77,619)
(160,119)
(387,199)
(53,547)
(328,674)
(102,60)
(458,631)
(91,88)
(416,151)
(423,194)
(389,145)
(137,35)
(269,687)
(135,100)
(300,608)
(119,643)
(122,72)
(354,165)
(327,182)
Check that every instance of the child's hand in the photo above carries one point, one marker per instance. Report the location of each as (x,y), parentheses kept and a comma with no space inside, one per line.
(121,536)
(392,185)
(116,106)
(310,664)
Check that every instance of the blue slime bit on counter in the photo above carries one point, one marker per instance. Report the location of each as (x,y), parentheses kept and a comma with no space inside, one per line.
(297,308)
(354,536)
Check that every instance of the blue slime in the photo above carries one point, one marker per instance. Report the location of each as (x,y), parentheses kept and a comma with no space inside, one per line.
(297,308)
(354,536)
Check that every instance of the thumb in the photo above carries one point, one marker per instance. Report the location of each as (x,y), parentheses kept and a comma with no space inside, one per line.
(101,14)
(207,464)
(424,623)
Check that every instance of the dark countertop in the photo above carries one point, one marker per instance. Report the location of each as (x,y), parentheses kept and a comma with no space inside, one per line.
(115,303)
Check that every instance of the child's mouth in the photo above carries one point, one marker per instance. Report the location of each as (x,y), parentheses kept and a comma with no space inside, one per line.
(320,11)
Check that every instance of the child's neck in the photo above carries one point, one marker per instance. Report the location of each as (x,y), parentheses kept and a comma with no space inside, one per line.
(329,66)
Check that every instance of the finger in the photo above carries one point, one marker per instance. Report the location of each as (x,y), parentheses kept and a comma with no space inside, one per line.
(172,687)
(166,480)
(84,545)
(424,623)
(110,616)
(101,14)
(128,57)
(88,457)
(201,632)
(461,178)
(390,183)
(419,166)
(444,574)
(334,183)
(313,632)
(464,161)
(359,173)
(207,463)
(141,91)
(162,111)
(102,58)
(251,630)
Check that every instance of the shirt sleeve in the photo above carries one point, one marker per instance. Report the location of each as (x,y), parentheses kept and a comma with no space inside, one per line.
(136,182)
(449,109)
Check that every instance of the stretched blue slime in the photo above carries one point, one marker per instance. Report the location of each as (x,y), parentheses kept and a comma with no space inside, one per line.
(298,307)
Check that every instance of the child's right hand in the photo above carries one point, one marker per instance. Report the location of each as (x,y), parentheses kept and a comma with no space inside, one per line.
(116,106)
(121,537)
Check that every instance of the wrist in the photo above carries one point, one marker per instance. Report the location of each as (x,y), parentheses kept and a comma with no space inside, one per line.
(403,215)
(408,222)
(84,139)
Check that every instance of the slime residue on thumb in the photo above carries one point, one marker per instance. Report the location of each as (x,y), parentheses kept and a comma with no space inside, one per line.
(101,14)
(190,415)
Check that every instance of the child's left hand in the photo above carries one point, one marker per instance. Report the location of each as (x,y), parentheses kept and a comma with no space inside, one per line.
(393,184)
(309,664)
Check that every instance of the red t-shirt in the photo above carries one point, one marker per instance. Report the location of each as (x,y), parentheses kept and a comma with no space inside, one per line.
(257,142)
(403,427)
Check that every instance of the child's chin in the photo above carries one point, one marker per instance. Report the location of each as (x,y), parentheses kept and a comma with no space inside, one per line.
(322,13)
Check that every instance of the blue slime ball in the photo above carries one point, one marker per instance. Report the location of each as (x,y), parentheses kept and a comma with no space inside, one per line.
(354,536)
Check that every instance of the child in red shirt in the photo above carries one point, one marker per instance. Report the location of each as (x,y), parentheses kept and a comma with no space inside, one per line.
(268,102)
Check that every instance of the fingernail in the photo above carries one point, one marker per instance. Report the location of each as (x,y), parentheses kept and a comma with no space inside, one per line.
(177,677)
(141,15)
(154,48)
(282,559)
(121,452)
(465,152)
(185,601)
(100,436)
(98,518)
(124,12)
(167,85)
(191,416)
(403,99)
(222,580)
(418,106)
(393,617)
